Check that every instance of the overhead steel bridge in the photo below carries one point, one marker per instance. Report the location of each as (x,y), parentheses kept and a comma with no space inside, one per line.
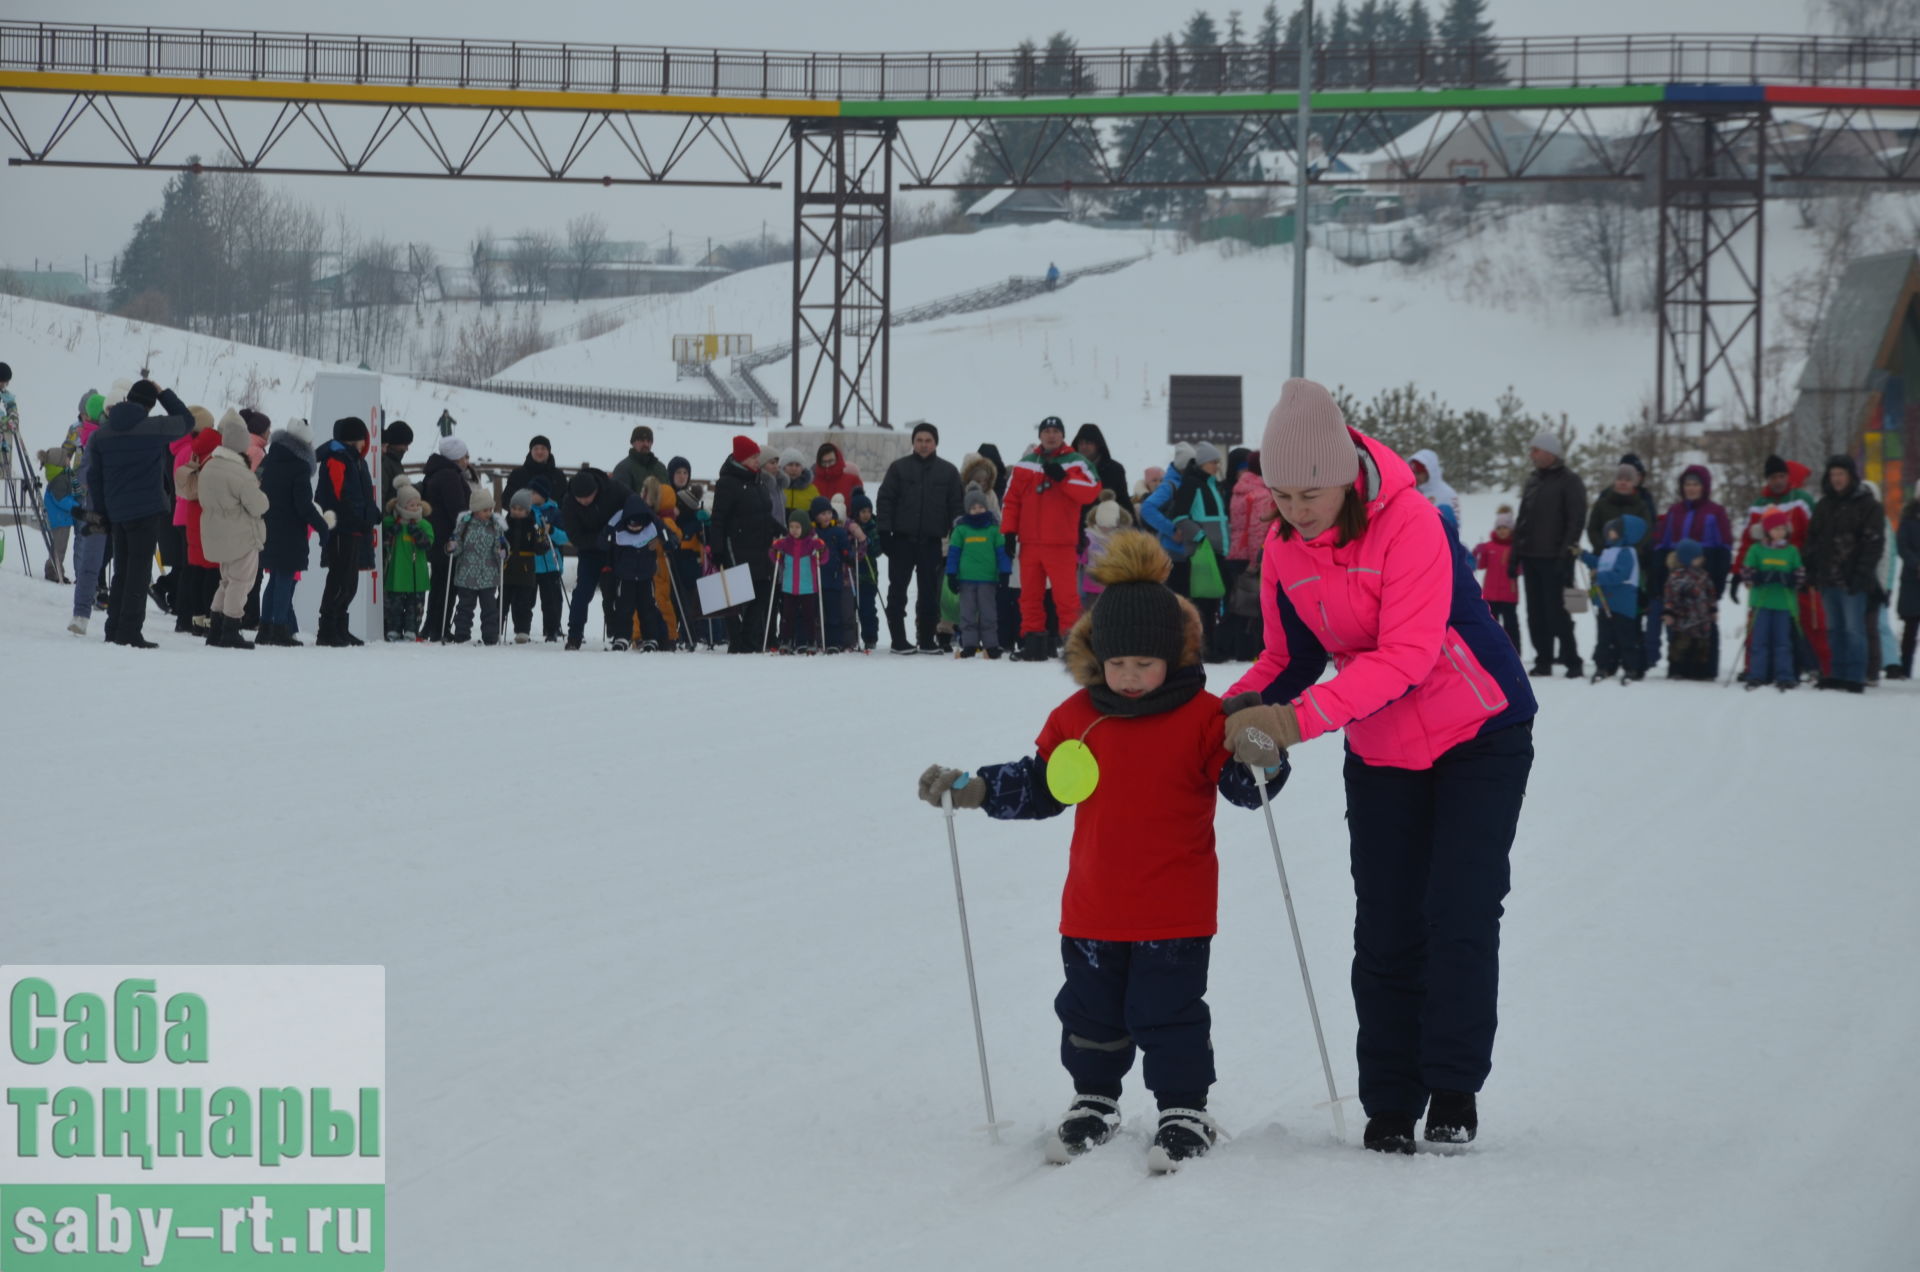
(1715,123)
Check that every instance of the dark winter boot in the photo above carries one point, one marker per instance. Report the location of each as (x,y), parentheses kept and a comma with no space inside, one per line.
(327,637)
(1183,1134)
(1033,648)
(1451,1118)
(1089,1122)
(230,637)
(216,632)
(1389,1133)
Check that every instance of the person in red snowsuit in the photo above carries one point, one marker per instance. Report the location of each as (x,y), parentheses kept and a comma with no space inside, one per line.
(1049,488)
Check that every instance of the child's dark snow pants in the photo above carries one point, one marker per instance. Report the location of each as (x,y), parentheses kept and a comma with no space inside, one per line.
(1429,854)
(1121,996)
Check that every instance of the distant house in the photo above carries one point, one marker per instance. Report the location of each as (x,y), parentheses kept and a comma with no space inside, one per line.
(1015,205)
(1465,148)
(58,286)
(1860,389)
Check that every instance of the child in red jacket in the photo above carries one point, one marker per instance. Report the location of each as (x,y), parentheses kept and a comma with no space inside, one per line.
(1138,912)
(1502,595)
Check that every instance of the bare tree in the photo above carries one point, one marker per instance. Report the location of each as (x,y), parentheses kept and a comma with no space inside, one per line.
(1595,240)
(1874,18)
(480,261)
(586,248)
(422,260)
(531,264)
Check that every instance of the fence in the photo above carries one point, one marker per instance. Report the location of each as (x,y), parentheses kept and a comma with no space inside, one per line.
(1524,61)
(663,406)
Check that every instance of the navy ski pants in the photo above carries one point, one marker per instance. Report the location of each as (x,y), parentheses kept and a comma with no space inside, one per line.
(1429,855)
(1148,996)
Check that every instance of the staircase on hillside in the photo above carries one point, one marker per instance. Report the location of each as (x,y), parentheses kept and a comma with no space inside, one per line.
(740,397)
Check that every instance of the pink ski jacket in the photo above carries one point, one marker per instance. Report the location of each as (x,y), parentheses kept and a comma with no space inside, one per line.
(1420,664)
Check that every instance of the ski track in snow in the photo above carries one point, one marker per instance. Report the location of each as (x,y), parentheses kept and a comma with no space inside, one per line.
(674,971)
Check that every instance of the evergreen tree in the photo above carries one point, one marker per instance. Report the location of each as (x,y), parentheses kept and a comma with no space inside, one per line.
(1339,47)
(1133,141)
(174,252)
(1267,43)
(1466,31)
(1034,150)
(1419,41)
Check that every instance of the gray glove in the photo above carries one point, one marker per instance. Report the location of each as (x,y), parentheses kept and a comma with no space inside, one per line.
(968,790)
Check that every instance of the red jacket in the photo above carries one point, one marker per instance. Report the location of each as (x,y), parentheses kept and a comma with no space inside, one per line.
(841,479)
(1046,513)
(1142,866)
(1492,556)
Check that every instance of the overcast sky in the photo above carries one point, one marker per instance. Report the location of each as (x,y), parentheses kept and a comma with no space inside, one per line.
(63,215)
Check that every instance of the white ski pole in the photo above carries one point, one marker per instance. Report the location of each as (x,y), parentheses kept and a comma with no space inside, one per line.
(966,947)
(1300,952)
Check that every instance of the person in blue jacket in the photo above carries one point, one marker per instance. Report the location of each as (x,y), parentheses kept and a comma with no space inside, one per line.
(1616,577)
(1183,509)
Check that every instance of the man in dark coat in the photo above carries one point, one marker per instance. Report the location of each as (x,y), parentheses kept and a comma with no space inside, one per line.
(538,463)
(1844,542)
(920,499)
(1546,543)
(286,478)
(741,531)
(128,468)
(588,512)
(1092,443)
(640,463)
(345,489)
(444,486)
(395,438)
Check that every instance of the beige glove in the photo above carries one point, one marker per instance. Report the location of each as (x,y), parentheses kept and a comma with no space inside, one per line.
(1257,735)
(326,515)
(937,781)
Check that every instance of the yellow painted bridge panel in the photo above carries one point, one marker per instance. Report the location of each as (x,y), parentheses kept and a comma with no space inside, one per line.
(410,95)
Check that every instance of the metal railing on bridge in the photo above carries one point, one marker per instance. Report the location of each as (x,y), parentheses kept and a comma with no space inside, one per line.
(1579,61)
(664,406)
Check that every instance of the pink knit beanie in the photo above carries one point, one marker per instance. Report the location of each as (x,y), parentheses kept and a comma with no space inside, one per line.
(1306,442)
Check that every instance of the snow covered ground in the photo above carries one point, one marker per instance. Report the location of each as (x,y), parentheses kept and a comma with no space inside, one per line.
(674,974)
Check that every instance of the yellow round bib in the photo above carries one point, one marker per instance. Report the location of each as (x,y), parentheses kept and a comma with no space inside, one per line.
(1072,772)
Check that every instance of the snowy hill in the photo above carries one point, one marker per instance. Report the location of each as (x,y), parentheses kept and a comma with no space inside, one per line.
(696,1000)
(57,353)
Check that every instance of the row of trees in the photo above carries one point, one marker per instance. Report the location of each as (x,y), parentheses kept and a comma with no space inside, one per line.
(1376,42)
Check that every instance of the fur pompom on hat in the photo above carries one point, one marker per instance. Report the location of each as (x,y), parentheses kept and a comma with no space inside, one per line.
(1107,514)
(1306,442)
(481,500)
(402,482)
(453,448)
(1137,615)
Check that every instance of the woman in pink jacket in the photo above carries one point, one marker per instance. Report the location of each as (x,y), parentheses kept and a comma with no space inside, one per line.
(1358,570)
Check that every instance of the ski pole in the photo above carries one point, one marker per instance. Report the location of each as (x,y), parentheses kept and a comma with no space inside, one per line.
(766,633)
(1300,952)
(966,947)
